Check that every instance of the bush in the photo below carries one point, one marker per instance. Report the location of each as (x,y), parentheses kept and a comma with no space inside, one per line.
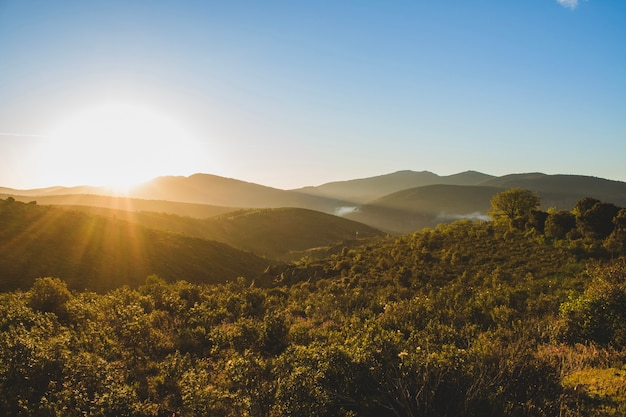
(599,314)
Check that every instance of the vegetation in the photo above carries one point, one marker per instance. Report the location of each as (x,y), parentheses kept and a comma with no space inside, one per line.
(283,234)
(100,254)
(466,319)
(513,204)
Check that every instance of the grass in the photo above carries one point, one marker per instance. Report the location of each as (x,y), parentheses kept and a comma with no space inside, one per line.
(599,391)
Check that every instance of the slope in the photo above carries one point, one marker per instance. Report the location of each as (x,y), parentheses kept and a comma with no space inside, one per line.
(273,233)
(220,191)
(99,253)
(563,191)
(367,189)
(124,203)
(416,208)
(412,209)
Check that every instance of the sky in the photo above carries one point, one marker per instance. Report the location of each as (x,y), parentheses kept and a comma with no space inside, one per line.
(295,93)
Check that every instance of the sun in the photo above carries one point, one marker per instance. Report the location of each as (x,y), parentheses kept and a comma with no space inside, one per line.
(118,144)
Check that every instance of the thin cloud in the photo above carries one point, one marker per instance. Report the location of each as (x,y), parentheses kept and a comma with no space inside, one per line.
(570,4)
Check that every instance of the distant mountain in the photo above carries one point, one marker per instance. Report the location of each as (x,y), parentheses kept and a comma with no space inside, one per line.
(284,233)
(372,201)
(220,191)
(58,190)
(364,190)
(98,253)
(409,210)
(563,191)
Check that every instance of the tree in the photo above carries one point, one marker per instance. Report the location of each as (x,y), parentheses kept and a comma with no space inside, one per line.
(597,222)
(49,295)
(616,242)
(559,224)
(514,203)
(537,220)
(584,205)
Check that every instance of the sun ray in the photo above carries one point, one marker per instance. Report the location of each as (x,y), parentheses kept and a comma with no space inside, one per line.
(117,144)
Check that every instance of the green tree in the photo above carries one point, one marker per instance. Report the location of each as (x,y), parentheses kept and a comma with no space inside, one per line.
(537,220)
(513,204)
(616,242)
(584,205)
(559,224)
(50,295)
(597,222)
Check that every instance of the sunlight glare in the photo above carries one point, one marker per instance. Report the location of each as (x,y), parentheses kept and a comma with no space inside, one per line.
(118,145)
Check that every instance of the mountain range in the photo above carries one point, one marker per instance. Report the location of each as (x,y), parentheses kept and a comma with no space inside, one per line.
(206,228)
(397,203)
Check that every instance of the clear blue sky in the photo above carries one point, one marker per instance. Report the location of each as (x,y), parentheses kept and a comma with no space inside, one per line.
(294,93)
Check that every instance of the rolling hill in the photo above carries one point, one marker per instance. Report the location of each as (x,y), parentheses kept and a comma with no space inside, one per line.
(391,202)
(99,253)
(127,204)
(563,191)
(364,190)
(282,234)
(409,210)
(220,191)
(412,209)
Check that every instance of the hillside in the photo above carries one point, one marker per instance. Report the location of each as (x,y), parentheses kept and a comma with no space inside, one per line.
(58,190)
(364,190)
(412,209)
(282,234)
(468,319)
(285,233)
(99,253)
(563,191)
(409,210)
(220,191)
(391,202)
(127,204)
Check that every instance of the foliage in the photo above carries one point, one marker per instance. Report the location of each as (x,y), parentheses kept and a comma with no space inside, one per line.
(616,242)
(559,224)
(597,222)
(599,314)
(467,319)
(98,253)
(514,203)
(280,233)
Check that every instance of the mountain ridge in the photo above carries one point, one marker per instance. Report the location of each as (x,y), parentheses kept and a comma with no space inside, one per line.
(371,200)
(363,190)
